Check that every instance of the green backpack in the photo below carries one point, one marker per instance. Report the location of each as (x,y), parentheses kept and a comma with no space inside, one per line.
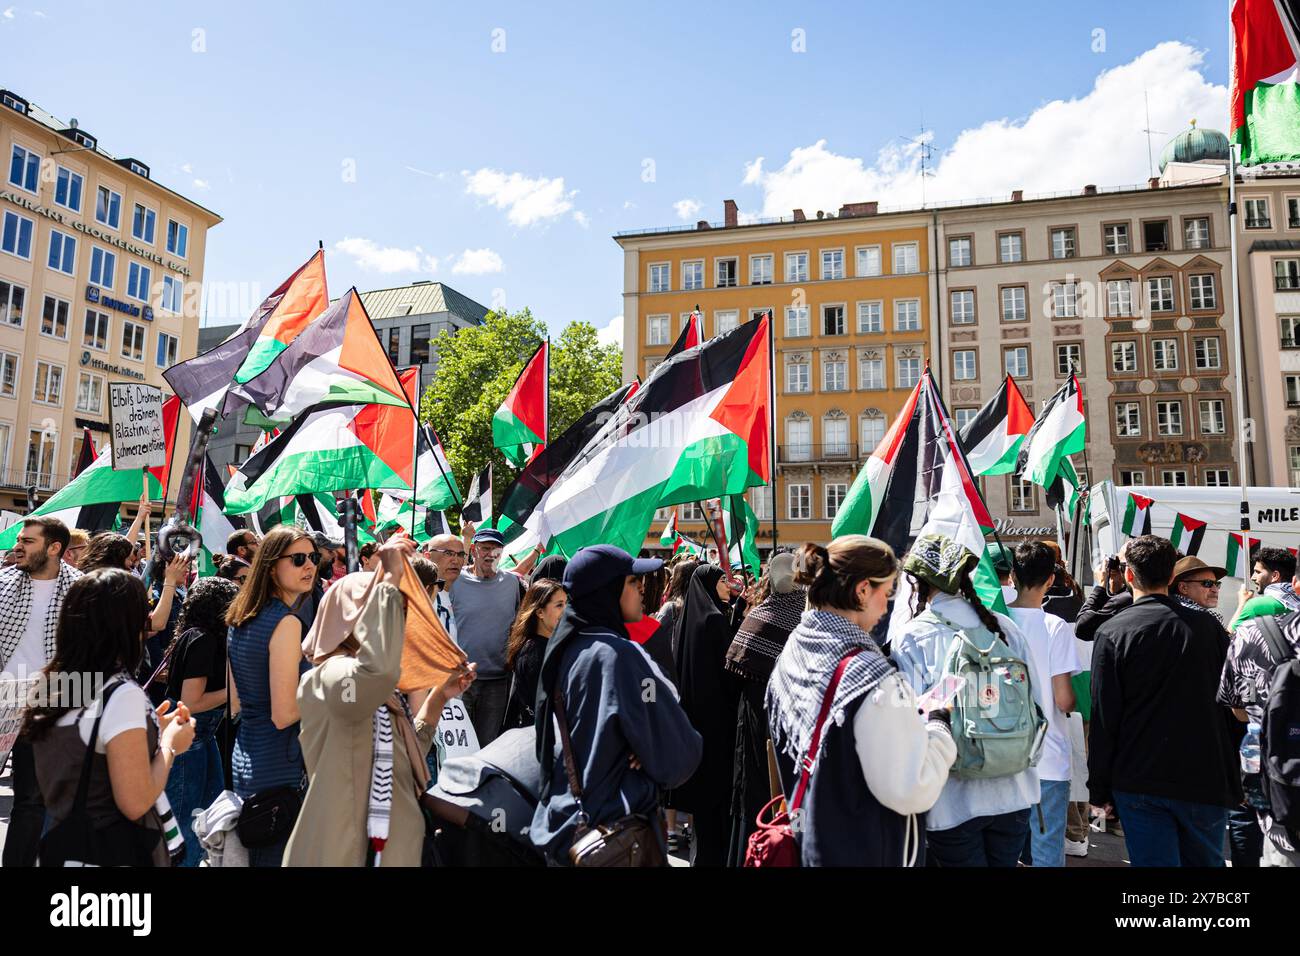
(996,723)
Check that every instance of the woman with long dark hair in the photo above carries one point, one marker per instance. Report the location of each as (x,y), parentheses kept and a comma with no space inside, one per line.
(135,746)
(539,614)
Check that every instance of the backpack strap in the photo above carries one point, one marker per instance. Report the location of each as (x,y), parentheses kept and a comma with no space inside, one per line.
(1271,628)
(570,765)
(805,766)
(83,783)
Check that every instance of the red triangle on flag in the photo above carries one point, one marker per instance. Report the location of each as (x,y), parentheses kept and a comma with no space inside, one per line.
(389,430)
(1020,417)
(745,408)
(171,418)
(1142,502)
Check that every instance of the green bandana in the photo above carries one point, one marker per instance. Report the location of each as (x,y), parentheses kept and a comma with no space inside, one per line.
(939,561)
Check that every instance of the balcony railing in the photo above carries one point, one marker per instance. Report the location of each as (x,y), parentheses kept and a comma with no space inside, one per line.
(1286,283)
(1258,223)
(1290,342)
(807,453)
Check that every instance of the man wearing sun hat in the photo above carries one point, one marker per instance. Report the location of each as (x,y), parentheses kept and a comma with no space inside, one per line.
(1196,585)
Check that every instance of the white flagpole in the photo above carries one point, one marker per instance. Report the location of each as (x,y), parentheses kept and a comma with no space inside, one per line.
(1240,349)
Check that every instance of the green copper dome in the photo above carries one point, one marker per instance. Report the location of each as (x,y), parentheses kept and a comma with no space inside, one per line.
(1194,145)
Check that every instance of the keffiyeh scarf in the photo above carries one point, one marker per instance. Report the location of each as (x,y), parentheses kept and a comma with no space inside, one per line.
(763,635)
(16,599)
(1189,603)
(1284,592)
(380,811)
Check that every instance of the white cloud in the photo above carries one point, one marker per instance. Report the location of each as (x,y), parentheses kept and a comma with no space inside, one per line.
(612,333)
(477,262)
(686,209)
(581,219)
(527,201)
(9,13)
(202,184)
(629,204)
(1061,146)
(187,168)
(39,13)
(373,257)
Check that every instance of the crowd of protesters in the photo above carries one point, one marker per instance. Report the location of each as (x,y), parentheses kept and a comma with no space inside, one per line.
(884,703)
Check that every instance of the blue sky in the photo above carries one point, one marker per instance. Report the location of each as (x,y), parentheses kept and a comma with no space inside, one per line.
(498,146)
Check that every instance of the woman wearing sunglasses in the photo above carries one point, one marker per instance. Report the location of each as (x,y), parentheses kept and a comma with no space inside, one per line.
(265,656)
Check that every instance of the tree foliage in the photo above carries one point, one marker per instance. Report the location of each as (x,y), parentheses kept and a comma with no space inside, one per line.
(478,366)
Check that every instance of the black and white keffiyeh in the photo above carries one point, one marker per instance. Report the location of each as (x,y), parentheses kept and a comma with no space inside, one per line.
(381,783)
(1193,606)
(16,607)
(804,669)
(763,634)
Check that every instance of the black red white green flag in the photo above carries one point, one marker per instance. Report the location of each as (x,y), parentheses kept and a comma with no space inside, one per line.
(478,500)
(519,425)
(1240,547)
(994,437)
(1264,100)
(692,334)
(1137,515)
(1188,533)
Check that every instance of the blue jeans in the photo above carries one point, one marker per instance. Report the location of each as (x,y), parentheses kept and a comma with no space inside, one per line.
(1160,831)
(983,841)
(196,780)
(272,855)
(1047,846)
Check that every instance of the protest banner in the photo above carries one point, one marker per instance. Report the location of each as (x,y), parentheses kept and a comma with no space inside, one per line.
(136,416)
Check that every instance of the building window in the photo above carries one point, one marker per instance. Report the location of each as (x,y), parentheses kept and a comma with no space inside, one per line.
(799,502)
(836,492)
(909,372)
(725,321)
(1119,297)
(1216,477)
(798,379)
(394,338)
(108,207)
(12,299)
(49,383)
(1065,300)
(90,393)
(691,511)
(1123,357)
(907,315)
(420,344)
(1169,418)
(132,341)
(1257,216)
(168,349)
(1016,361)
(1213,421)
(796,267)
(40,458)
(94,332)
(961,417)
(871,432)
(8,375)
(833,320)
(25,169)
(63,253)
(1011,247)
(835,436)
(16,238)
(758,315)
(1069,358)
(796,321)
(1021,496)
(1293,212)
(172,295)
(660,280)
(760,270)
(67,189)
(1293,458)
(727,272)
(1164,355)
(1155,236)
(1013,304)
(178,238)
(798,439)
(1130,478)
(832,263)
(1196,233)
(54,318)
(142,223)
(835,375)
(1115,238)
(138,279)
(1291,383)
(657,330)
(964,366)
(1203,294)
(959,252)
(963,307)
(868,263)
(1063,243)
(906,258)
(693,275)
(1286,272)
(1173,477)
(871,373)
(650,365)
(103,267)
(1290,325)
(1207,353)
(1160,294)
(760,499)
(870,317)
(1128,420)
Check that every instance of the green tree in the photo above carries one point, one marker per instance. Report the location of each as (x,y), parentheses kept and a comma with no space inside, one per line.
(477,367)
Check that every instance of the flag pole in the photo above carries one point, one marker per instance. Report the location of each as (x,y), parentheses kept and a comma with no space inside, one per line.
(1240,348)
(771,406)
(415,454)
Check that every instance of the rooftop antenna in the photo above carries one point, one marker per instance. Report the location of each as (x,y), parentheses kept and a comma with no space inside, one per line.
(1151,166)
(927,154)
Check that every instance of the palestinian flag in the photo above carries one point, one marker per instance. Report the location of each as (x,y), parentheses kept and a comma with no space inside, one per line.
(698,429)
(1187,534)
(336,360)
(92,518)
(742,533)
(478,501)
(888,475)
(1137,515)
(692,334)
(277,511)
(202,382)
(395,513)
(1264,101)
(1059,432)
(214,527)
(433,472)
(668,538)
(1240,548)
(993,438)
(519,427)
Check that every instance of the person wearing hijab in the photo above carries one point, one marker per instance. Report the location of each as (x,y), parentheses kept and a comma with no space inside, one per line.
(365,755)
(779,604)
(710,695)
(630,737)
(550,568)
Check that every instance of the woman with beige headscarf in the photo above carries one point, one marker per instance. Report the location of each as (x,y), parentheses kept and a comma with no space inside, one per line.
(364,753)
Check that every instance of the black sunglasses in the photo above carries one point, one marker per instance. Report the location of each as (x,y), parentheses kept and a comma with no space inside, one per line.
(300,559)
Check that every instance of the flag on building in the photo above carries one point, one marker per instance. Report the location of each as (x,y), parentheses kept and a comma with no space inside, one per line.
(1188,533)
(478,501)
(1240,548)
(691,335)
(1137,515)
(519,426)
(1059,432)
(202,382)
(1264,100)
(994,437)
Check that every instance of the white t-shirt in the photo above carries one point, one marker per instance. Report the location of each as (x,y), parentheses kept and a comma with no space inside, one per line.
(29,656)
(442,605)
(1052,653)
(128,709)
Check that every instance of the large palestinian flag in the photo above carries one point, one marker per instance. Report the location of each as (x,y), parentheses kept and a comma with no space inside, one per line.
(437,485)
(1188,533)
(519,426)
(1265,100)
(1137,515)
(993,438)
(1059,432)
(202,382)
(699,428)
